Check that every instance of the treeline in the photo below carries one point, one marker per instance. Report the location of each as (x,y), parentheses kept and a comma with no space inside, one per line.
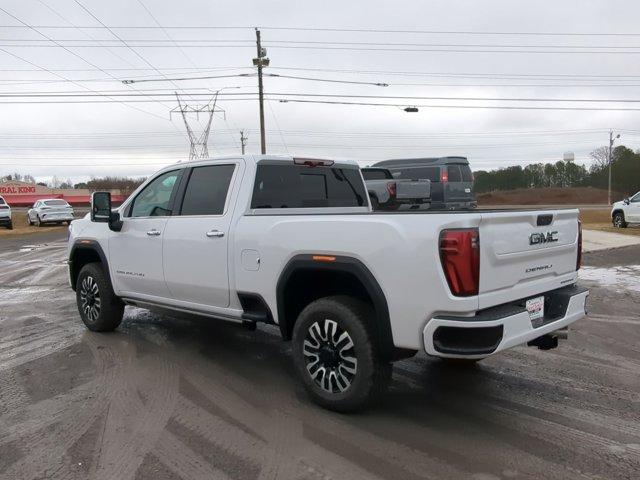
(625,174)
(125,184)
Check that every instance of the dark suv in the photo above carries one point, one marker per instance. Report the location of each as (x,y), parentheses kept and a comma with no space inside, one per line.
(451,179)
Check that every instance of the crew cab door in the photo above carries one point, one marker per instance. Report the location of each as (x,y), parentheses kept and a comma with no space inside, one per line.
(196,238)
(135,252)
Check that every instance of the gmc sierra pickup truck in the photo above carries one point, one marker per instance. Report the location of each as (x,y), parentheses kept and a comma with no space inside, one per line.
(293,242)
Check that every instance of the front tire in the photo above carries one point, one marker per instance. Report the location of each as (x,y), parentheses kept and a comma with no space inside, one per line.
(100,309)
(619,221)
(335,354)
(38,221)
(10,225)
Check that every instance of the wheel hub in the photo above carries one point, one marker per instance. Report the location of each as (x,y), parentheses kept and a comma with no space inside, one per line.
(329,356)
(90,299)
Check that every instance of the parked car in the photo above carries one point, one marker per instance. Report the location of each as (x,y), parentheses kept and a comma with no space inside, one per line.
(451,179)
(626,211)
(386,192)
(52,210)
(294,243)
(5,214)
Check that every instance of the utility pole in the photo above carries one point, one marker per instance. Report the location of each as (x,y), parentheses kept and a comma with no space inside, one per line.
(243,140)
(260,62)
(611,140)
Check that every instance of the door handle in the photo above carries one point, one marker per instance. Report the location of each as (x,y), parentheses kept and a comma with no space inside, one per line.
(153,232)
(215,233)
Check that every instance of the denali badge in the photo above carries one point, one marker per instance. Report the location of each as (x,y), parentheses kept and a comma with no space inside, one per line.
(536,238)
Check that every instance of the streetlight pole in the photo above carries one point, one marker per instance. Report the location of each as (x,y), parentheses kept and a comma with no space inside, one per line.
(260,62)
(611,140)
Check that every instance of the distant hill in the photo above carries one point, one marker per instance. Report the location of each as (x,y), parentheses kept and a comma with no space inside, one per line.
(548,196)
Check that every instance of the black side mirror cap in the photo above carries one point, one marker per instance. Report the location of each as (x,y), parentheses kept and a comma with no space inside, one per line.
(115,222)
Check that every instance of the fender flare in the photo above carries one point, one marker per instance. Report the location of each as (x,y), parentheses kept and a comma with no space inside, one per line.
(91,245)
(348,265)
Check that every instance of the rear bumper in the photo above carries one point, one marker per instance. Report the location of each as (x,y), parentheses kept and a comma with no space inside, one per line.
(56,217)
(499,328)
(5,220)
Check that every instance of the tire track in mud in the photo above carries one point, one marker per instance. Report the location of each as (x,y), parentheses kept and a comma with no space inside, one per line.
(46,443)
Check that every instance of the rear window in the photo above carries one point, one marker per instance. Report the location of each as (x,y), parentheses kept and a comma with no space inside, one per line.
(454,173)
(417,173)
(2,202)
(292,186)
(56,203)
(376,174)
(467,176)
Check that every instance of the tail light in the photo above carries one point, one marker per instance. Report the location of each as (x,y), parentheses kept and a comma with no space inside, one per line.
(460,257)
(444,175)
(579,257)
(391,188)
(3,207)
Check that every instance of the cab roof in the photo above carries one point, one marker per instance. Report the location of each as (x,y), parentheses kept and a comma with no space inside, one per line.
(427,161)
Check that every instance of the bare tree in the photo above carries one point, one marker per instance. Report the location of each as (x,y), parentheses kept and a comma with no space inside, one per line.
(600,157)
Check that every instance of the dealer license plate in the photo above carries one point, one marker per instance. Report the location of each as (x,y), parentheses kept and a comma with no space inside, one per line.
(535,307)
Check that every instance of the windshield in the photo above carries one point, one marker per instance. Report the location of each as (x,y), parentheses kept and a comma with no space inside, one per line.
(56,203)
(2,202)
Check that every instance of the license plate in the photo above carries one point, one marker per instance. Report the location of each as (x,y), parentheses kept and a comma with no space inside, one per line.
(535,307)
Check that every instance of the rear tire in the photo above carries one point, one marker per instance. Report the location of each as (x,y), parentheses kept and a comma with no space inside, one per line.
(100,309)
(619,221)
(335,354)
(375,205)
(10,225)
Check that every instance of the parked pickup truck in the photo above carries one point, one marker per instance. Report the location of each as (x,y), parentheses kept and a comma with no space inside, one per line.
(293,242)
(385,192)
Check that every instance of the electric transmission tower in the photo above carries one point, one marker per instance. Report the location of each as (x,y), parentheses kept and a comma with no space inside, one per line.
(198,143)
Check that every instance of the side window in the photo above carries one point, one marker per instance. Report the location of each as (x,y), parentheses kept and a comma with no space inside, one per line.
(153,200)
(636,198)
(207,190)
(454,173)
(292,186)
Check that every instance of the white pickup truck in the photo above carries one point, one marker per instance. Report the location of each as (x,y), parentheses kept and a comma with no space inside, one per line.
(293,242)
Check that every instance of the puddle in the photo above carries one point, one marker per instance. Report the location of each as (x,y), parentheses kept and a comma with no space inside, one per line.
(618,278)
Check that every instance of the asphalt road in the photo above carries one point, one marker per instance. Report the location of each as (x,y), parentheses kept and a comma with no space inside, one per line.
(167,398)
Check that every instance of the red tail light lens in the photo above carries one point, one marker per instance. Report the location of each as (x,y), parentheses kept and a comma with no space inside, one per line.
(391,188)
(460,257)
(444,175)
(579,259)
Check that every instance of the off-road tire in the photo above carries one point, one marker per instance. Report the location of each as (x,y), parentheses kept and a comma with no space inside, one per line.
(93,284)
(618,220)
(371,376)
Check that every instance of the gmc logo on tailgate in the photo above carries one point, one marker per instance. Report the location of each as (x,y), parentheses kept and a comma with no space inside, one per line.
(539,237)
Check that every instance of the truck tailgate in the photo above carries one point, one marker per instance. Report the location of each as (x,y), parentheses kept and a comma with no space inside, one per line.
(525,253)
(408,189)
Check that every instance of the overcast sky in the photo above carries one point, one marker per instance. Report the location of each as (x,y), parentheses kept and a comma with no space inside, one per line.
(421,52)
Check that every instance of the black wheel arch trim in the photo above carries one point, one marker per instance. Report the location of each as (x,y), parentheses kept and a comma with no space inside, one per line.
(343,264)
(92,245)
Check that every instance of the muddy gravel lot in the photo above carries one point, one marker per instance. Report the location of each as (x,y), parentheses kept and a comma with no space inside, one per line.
(170,398)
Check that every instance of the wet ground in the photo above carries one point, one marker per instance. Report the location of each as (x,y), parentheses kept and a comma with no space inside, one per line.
(166,398)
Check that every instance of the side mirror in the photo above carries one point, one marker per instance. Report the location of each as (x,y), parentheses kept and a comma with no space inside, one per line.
(627,201)
(101,207)
(101,211)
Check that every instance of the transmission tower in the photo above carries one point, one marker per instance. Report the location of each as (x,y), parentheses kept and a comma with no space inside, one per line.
(198,143)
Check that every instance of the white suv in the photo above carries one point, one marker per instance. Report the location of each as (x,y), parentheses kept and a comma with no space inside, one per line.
(5,214)
(52,210)
(626,211)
